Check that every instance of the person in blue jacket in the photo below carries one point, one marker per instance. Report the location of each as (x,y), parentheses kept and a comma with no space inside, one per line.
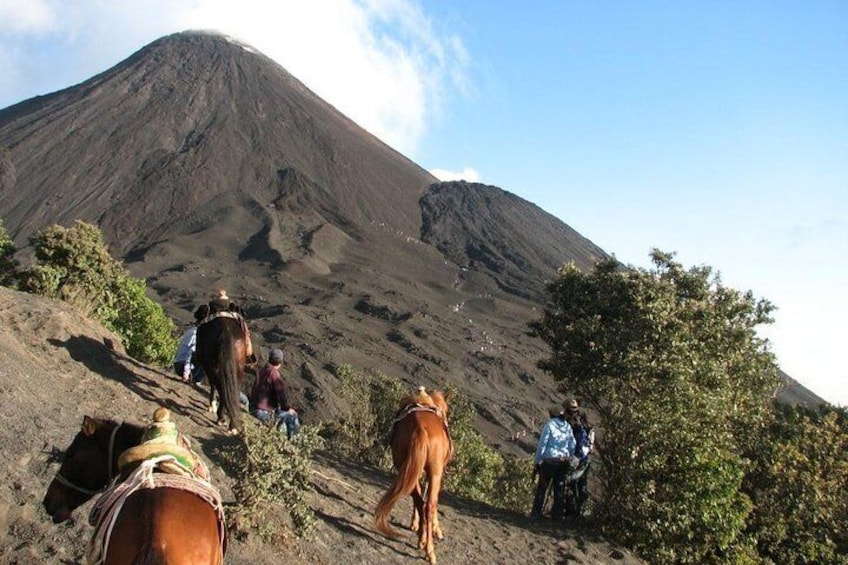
(185,363)
(553,462)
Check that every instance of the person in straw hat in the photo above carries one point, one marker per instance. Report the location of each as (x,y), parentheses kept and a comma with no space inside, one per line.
(584,436)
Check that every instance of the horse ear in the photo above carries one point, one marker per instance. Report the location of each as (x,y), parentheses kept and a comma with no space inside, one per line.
(448,394)
(89,426)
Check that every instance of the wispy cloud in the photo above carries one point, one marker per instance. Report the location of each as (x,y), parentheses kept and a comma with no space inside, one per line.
(26,16)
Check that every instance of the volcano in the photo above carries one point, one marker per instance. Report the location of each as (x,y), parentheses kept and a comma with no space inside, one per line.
(207,165)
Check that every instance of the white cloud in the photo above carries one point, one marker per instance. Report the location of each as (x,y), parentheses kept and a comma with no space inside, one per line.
(26,16)
(467,174)
(382,63)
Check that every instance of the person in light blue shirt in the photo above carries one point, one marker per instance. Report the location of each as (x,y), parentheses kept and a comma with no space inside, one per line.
(553,462)
(184,364)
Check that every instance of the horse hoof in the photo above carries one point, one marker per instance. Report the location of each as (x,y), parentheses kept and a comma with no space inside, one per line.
(232,432)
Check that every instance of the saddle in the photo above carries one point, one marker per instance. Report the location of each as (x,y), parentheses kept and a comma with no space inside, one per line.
(164,458)
(207,315)
(172,450)
(421,402)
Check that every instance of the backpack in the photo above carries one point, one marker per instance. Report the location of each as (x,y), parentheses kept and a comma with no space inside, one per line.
(584,436)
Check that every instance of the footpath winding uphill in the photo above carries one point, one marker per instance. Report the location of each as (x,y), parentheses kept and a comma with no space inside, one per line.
(57,366)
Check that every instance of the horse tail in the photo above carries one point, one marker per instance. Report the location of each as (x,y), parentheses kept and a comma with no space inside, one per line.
(229,364)
(406,480)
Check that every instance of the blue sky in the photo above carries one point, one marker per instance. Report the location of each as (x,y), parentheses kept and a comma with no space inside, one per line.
(714,129)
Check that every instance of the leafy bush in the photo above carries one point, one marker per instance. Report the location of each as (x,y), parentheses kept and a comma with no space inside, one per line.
(271,481)
(516,485)
(476,466)
(370,404)
(672,362)
(8,265)
(73,264)
(147,331)
(479,471)
(799,484)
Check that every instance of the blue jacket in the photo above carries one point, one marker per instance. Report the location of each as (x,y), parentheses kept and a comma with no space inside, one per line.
(187,345)
(556,441)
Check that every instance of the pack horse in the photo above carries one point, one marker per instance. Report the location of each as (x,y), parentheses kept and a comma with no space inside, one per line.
(222,345)
(147,514)
(421,446)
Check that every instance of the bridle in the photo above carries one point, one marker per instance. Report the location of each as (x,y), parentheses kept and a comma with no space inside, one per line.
(59,478)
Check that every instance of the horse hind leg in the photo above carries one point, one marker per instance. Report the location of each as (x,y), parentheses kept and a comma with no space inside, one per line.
(430,515)
(417,508)
(221,413)
(213,404)
(437,528)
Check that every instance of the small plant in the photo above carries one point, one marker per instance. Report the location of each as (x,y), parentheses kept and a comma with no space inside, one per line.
(271,482)
(73,264)
(370,405)
(479,471)
(8,265)
(516,485)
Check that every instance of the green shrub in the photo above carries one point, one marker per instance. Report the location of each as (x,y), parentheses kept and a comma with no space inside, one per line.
(476,466)
(73,264)
(516,485)
(147,331)
(8,265)
(479,471)
(272,479)
(798,485)
(370,403)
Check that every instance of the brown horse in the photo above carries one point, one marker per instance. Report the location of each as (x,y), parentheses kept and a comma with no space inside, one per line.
(154,525)
(221,352)
(421,445)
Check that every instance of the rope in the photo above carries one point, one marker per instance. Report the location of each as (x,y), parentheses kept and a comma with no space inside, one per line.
(65,482)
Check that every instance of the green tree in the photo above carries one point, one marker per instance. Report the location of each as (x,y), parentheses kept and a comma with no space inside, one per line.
(798,485)
(74,265)
(8,265)
(671,360)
